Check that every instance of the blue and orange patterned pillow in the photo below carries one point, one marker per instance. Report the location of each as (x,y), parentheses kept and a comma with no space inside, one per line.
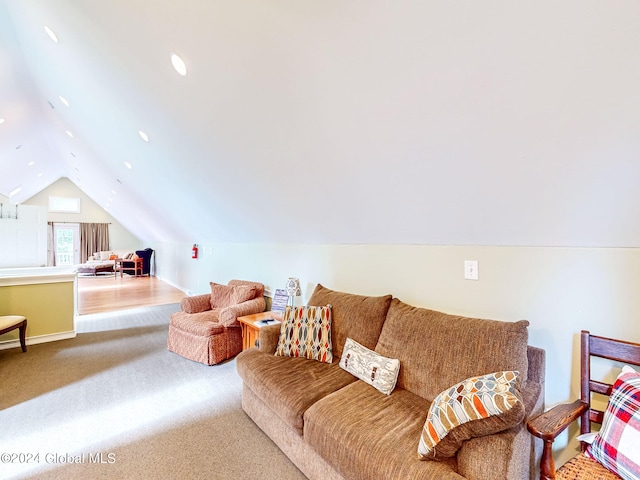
(477,406)
(306,332)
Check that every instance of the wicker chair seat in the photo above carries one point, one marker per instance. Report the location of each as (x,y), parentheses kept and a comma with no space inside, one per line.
(582,467)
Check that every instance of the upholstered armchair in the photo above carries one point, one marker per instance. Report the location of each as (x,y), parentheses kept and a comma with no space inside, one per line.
(206,328)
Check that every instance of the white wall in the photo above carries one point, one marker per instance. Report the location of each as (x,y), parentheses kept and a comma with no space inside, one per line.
(23,241)
(559,290)
(430,122)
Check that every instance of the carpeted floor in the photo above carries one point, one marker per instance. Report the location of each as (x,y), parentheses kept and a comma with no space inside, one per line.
(113,403)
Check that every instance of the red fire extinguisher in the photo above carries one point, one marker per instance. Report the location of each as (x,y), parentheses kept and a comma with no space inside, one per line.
(194,251)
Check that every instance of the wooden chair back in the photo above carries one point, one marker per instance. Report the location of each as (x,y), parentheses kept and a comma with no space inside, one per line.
(607,348)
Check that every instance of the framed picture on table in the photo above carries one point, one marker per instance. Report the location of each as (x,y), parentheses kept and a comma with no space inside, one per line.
(280,299)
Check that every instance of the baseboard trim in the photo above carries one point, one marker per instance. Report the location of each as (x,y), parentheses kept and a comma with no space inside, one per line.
(174,285)
(52,337)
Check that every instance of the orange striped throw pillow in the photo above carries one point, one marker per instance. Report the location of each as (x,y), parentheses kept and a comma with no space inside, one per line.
(475,407)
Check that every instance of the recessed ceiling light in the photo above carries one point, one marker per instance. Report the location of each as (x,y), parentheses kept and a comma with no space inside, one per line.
(1,121)
(128,165)
(178,64)
(143,136)
(70,134)
(114,192)
(15,191)
(64,101)
(40,174)
(52,35)
(30,164)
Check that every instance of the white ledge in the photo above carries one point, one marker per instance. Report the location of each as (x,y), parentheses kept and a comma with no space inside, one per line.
(36,275)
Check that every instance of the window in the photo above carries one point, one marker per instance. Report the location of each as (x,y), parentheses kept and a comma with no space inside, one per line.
(64,204)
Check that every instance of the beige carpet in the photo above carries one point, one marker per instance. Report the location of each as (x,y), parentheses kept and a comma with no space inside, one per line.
(114,403)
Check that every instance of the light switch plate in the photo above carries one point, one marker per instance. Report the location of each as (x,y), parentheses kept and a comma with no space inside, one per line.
(471,269)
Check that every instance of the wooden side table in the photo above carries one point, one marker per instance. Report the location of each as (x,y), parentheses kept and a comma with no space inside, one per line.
(137,266)
(251,325)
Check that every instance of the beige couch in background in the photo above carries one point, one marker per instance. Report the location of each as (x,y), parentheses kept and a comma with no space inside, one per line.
(334,426)
(102,262)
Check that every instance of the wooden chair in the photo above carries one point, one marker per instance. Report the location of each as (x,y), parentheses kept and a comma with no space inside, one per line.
(551,423)
(11,322)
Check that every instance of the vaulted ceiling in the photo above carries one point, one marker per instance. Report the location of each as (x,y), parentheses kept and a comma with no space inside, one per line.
(503,123)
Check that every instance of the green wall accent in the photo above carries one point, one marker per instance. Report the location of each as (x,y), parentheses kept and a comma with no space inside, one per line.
(49,307)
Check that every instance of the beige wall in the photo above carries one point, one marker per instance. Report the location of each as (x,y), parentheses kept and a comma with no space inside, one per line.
(559,290)
(49,308)
(90,211)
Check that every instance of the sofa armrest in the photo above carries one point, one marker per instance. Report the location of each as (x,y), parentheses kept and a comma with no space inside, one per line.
(507,454)
(196,304)
(269,337)
(549,425)
(229,315)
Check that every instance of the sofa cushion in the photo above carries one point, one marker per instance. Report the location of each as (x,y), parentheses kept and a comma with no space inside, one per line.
(105,255)
(306,332)
(220,295)
(242,293)
(363,433)
(356,316)
(289,385)
(223,296)
(202,324)
(370,367)
(475,407)
(437,350)
(257,285)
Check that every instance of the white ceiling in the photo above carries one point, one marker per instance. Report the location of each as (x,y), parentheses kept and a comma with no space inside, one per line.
(330,121)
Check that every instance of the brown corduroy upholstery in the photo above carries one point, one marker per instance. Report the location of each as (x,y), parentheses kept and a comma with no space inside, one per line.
(290,385)
(335,426)
(353,316)
(207,335)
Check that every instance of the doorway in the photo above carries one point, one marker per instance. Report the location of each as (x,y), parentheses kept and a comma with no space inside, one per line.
(66,241)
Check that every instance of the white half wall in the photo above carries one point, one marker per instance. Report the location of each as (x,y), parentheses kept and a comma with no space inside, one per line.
(23,240)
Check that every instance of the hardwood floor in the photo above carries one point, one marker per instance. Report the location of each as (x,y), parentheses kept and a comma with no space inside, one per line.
(105,293)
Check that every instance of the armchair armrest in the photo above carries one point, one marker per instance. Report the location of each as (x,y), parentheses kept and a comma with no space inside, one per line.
(549,425)
(229,315)
(196,304)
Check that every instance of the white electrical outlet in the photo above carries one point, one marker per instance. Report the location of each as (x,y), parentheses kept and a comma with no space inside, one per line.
(471,269)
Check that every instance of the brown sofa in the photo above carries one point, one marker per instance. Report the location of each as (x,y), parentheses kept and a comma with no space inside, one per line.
(335,426)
